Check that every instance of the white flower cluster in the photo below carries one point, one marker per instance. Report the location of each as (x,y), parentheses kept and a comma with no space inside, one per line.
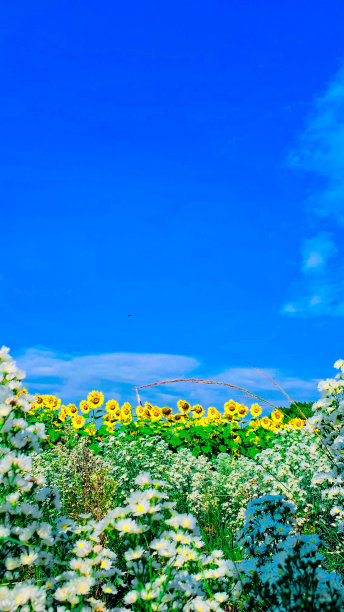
(328,420)
(163,553)
(284,569)
(25,540)
(286,468)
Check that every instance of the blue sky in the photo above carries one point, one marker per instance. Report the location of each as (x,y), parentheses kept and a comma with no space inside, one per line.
(184,163)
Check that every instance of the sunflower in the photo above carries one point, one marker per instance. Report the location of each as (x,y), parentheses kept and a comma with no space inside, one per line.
(111,406)
(265,422)
(254,423)
(197,411)
(78,421)
(300,422)
(34,406)
(108,418)
(166,412)
(85,406)
(110,427)
(126,412)
(277,416)
(230,408)
(242,411)
(296,423)
(39,399)
(52,402)
(255,410)
(117,413)
(96,398)
(91,430)
(140,411)
(183,407)
(63,413)
(23,390)
(155,414)
(213,413)
(204,420)
(72,410)
(178,418)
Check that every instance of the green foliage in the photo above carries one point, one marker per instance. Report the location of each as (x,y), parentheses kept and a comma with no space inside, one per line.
(292,411)
(208,440)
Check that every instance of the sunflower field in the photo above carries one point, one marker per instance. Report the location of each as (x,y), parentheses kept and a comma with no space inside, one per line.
(238,430)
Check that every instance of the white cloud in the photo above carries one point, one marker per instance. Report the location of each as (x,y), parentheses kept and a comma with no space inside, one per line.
(254,381)
(320,153)
(71,378)
(74,376)
(316,252)
(319,296)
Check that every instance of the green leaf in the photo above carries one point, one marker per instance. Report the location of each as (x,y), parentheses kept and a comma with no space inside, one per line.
(94,447)
(176,441)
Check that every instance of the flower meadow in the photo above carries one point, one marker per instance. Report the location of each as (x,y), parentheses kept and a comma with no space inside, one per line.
(104,507)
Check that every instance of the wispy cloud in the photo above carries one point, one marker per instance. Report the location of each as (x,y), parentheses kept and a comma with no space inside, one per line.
(316,252)
(320,153)
(251,379)
(71,378)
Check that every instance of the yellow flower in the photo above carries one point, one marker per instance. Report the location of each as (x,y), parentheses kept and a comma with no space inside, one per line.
(213,413)
(230,408)
(34,407)
(52,402)
(96,398)
(204,421)
(265,422)
(254,423)
(166,412)
(39,399)
(108,418)
(111,406)
(126,412)
(61,415)
(296,423)
(178,418)
(242,411)
(78,421)
(140,411)
(91,430)
(183,407)
(155,414)
(117,413)
(23,390)
(111,427)
(85,406)
(72,410)
(197,411)
(277,416)
(148,406)
(255,410)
